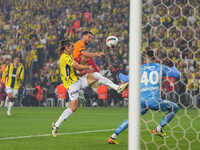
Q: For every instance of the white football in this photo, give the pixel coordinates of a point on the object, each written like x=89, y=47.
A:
x=111, y=41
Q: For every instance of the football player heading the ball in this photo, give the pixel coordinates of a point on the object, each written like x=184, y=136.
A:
x=83, y=56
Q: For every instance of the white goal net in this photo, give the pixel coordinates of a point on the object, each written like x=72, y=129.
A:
x=172, y=29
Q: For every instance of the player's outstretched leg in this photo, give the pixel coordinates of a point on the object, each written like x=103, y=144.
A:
x=73, y=105
x=67, y=112
x=120, y=128
x=172, y=108
x=105, y=81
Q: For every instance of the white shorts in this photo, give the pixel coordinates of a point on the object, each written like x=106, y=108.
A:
x=14, y=92
x=74, y=89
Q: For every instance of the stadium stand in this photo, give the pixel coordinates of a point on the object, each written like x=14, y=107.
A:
x=32, y=32
x=171, y=29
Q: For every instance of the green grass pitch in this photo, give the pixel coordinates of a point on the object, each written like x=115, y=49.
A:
x=89, y=129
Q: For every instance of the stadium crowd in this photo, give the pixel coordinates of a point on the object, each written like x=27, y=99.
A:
x=33, y=30
x=171, y=28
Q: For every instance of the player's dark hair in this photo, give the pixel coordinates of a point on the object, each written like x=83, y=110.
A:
x=168, y=63
x=65, y=43
x=150, y=53
x=86, y=32
x=62, y=46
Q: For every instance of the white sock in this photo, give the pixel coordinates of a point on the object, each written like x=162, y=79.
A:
x=158, y=128
x=105, y=81
x=63, y=116
x=2, y=103
x=10, y=105
x=114, y=136
x=6, y=102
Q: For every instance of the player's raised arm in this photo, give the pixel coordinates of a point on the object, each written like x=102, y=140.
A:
x=91, y=54
x=171, y=72
x=80, y=66
x=123, y=77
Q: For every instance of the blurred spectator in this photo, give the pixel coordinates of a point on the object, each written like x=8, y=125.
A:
x=61, y=94
x=102, y=92
x=90, y=97
x=51, y=92
x=168, y=85
x=38, y=94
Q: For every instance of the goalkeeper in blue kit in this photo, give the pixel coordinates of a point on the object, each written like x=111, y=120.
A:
x=151, y=77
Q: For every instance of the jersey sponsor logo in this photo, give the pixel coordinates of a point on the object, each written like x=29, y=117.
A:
x=74, y=93
x=150, y=89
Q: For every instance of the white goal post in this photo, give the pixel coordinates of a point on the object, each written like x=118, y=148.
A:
x=134, y=74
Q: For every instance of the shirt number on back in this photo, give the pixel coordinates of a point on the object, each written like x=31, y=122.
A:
x=152, y=77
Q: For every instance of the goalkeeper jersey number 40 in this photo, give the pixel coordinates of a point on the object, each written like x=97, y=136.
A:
x=151, y=78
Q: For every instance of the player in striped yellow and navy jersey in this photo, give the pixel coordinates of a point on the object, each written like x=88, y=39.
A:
x=13, y=77
x=70, y=80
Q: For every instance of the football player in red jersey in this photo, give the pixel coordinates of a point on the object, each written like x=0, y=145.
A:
x=83, y=56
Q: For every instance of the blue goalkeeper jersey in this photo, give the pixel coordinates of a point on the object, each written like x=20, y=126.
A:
x=151, y=78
